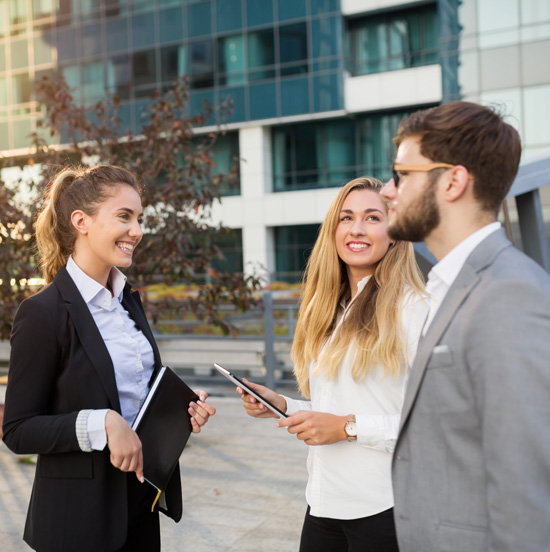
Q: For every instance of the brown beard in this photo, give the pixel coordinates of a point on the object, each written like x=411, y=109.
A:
x=421, y=216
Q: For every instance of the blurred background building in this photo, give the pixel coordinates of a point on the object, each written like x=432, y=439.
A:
x=318, y=88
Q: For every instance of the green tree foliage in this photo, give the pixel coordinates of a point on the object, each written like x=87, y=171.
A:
x=173, y=161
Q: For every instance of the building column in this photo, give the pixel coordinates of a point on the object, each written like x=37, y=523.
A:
x=256, y=181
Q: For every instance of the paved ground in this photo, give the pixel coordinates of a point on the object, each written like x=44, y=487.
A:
x=243, y=488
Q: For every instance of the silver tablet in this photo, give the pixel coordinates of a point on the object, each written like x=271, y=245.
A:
x=237, y=381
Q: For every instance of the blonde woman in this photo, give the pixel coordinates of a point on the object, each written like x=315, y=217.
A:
x=82, y=357
x=360, y=320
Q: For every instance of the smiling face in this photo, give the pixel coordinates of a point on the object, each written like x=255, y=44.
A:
x=109, y=237
x=361, y=238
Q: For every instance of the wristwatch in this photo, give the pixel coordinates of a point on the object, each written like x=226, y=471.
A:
x=351, y=428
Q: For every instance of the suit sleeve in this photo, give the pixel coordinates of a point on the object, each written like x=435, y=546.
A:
x=508, y=354
x=29, y=425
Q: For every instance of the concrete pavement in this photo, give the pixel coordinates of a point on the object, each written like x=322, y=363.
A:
x=243, y=488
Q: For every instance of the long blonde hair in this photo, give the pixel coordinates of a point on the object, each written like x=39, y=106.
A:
x=373, y=321
x=72, y=189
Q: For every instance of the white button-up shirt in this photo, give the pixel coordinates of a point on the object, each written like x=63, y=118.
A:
x=350, y=480
x=130, y=351
x=444, y=273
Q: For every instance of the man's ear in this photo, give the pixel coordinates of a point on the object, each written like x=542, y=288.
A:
x=79, y=220
x=457, y=183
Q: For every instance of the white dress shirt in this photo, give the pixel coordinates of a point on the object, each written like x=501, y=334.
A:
x=444, y=273
x=130, y=351
x=350, y=480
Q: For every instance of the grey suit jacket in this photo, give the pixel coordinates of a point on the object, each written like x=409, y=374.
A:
x=471, y=469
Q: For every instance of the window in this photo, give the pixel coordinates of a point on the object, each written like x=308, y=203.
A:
x=19, y=54
x=18, y=11
x=293, y=48
x=91, y=39
x=172, y=62
x=200, y=65
x=228, y=15
x=225, y=155
x=170, y=24
x=43, y=8
x=144, y=68
x=116, y=32
x=313, y=155
x=93, y=82
x=118, y=77
x=66, y=44
x=143, y=30
x=331, y=153
x=293, y=245
x=231, y=249
x=43, y=48
x=21, y=88
x=231, y=61
x=259, y=12
x=261, y=55
x=3, y=92
x=393, y=41
x=71, y=73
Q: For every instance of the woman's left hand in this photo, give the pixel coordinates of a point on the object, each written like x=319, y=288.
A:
x=315, y=428
x=200, y=411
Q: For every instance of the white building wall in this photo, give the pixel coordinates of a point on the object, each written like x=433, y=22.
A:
x=504, y=60
x=415, y=86
x=355, y=7
x=258, y=210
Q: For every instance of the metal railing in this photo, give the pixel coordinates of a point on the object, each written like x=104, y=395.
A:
x=260, y=349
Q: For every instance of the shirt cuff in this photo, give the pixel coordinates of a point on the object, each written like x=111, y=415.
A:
x=378, y=432
x=96, y=429
x=82, y=431
x=293, y=405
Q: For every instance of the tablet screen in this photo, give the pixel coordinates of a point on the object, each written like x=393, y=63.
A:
x=237, y=381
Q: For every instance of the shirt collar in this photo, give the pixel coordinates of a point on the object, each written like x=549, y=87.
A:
x=447, y=269
x=89, y=288
x=360, y=287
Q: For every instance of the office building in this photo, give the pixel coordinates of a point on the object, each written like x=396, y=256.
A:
x=318, y=87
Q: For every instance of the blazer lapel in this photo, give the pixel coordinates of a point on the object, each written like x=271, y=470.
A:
x=88, y=334
x=454, y=298
x=468, y=277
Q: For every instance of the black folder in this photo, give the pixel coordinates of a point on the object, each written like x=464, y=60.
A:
x=163, y=425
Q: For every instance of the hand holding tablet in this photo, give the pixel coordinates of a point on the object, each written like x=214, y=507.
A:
x=248, y=389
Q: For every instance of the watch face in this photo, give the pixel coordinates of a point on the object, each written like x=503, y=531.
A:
x=351, y=429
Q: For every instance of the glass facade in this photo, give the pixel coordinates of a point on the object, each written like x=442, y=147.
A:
x=262, y=53
x=293, y=245
x=393, y=41
x=231, y=249
x=330, y=153
x=225, y=155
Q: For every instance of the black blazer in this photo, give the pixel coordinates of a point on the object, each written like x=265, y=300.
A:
x=60, y=365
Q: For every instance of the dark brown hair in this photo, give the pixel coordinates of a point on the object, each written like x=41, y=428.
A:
x=72, y=189
x=475, y=136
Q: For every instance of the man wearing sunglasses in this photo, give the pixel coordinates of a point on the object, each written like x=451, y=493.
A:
x=471, y=468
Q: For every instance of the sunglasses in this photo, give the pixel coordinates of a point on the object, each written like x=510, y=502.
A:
x=428, y=167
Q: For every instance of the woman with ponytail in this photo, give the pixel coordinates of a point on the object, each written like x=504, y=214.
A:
x=82, y=357
x=359, y=322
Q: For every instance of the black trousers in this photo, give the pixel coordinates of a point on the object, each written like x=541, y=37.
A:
x=143, y=525
x=369, y=534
